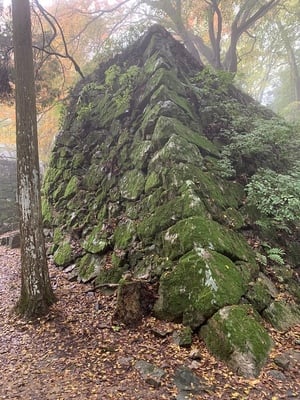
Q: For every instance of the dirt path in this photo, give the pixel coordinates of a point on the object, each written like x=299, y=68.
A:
x=77, y=353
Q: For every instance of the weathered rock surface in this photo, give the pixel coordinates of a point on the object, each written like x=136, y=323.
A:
x=134, y=184
x=282, y=315
x=235, y=335
x=288, y=360
x=188, y=383
x=152, y=374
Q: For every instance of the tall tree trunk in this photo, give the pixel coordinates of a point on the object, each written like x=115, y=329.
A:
x=36, y=292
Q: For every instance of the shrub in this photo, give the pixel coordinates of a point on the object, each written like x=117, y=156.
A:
x=276, y=196
x=255, y=144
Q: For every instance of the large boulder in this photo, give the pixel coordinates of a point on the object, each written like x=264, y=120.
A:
x=235, y=335
x=202, y=282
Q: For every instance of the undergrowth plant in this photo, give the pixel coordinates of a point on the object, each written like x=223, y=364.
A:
x=259, y=143
x=273, y=254
x=276, y=196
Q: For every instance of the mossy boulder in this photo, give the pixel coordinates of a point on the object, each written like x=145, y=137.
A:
x=261, y=292
x=199, y=231
x=96, y=241
x=89, y=267
x=63, y=254
x=124, y=234
x=235, y=335
x=132, y=185
x=202, y=282
x=282, y=315
x=72, y=187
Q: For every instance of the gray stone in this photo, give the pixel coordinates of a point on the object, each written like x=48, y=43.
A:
x=15, y=241
x=183, y=337
x=282, y=315
x=288, y=360
x=152, y=374
x=278, y=375
x=162, y=332
x=187, y=382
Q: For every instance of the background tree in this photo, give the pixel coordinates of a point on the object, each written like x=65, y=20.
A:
x=5, y=46
x=213, y=39
x=36, y=292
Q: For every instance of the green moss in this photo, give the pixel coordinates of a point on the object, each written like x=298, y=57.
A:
x=110, y=275
x=166, y=127
x=294, y=289
x=79, y=201
x=249, y=270
x=192, y=203
x=102, y=214
x=163, y=217
x=72, y=187
x=78, y=160
x=94, y=177
x=58, y=236
x=293, y=252
x=234, y=334
x=201, y=283
x=117, y=259
x=89, y=266
x=132, y=185
x=220, y=194
x=183, y=337
x=171, y=211
x=52, y=175
x=153, y=181
x=139, y=153
x=282, y=315
x=148, y=122
x=63, y=255
x=124, y=235
x=162, y=75
x=232, y=218
x=165, y=94
x=201, y=232
x=176, y=150
x=145, y=205
x=107, y=110
x=96, y=241
x=261, y=293
x=46, y=212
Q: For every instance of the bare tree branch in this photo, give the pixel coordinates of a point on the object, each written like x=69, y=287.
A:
x=53, y=22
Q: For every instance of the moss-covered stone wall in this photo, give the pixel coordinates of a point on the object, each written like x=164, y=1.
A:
x=134, y=185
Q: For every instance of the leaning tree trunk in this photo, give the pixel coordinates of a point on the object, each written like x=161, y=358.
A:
x=36, y=291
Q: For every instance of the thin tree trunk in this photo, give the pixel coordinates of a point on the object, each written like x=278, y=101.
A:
x=36, y=292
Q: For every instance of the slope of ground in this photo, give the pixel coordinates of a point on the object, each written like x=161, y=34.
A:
x=52, y=360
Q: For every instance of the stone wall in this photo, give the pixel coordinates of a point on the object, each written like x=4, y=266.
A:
x=8, y=185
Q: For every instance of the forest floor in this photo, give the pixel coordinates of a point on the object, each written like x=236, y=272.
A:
x=76, y=352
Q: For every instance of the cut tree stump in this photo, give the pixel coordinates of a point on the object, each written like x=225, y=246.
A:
x=135, y=299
